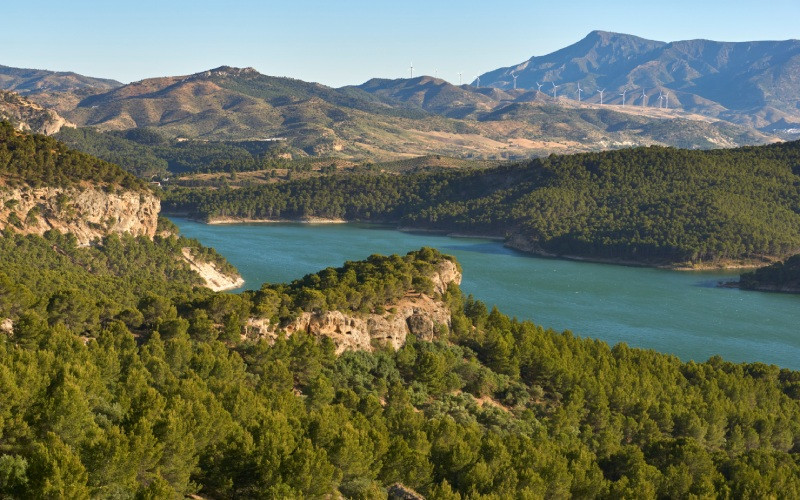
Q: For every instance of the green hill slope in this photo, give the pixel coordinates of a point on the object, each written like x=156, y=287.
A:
x=652, y=205
x=164, y=399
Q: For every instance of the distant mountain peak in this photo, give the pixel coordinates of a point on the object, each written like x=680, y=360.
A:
x=605, y=35
x=739, y=81
x=228, y=71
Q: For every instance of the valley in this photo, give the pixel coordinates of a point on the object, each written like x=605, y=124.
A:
x=550, y=282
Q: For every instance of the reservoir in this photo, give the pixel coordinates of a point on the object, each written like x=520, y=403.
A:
x=681, y=313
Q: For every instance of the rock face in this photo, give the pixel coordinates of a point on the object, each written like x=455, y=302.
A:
x=399, y=491
x=214, y=278
x=88, y=213
x=415, y=314
x=29, y=116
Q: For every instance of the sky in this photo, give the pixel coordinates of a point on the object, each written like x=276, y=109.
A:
x=347, y=42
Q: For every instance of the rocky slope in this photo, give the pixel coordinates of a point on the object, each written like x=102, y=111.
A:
x=415, y=314
x=89, y=213
x=754, y=83
x=28, y=116
x=386, y=119
x=214, y=278
x=45, y=186
x=57, y=90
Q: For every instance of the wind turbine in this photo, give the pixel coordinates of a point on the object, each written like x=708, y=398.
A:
x=539, y=87
x=601, y=95
x=623, y=96
x=579, y=92
x=412, y=69
x=477, y=81
x=555, y=89
x=660, y=99
x=644, y=98
x=666, y=100
x=459, y=78
x=515, y=79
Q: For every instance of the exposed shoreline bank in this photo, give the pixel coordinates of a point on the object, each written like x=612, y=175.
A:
x=243, y=220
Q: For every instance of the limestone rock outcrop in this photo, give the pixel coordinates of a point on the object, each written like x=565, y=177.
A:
x=89, y=213
x=29, y=116
x=214, y=278
x=415, y=314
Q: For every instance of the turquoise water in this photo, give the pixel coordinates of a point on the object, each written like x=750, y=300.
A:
x=674, y=312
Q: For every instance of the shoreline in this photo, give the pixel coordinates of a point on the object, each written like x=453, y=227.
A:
x=243, y=220
x=633, y=263
x=444, y=232
x=523, y=246
x=512, y=243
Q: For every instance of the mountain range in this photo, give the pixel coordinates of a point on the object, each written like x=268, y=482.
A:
x=752, y=83
x=385, y=118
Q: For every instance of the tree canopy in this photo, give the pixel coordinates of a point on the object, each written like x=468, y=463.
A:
x=654, y=205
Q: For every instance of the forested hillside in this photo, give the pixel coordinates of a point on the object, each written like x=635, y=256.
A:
x=146, y=153
x=36, y=160
x=121, y=376
x=778, y=277
x=162, y=398
x=652, y=205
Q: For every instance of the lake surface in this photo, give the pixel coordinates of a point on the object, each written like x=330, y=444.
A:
x=681, y=313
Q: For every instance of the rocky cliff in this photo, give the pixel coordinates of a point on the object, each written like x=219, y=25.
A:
x=29, y=116
x=415, y=314
x=89, y=213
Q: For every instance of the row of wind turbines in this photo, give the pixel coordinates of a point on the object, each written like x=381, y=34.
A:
x=663, y=97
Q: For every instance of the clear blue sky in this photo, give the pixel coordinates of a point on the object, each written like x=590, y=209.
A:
x=349, y=41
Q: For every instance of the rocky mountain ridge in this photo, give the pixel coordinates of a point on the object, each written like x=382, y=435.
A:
x=752, y=83
x=385, y=119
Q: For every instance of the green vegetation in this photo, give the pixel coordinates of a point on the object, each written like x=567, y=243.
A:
x=36, y=160
x=357, y=286
x=654, y=205
x=164, y=399
x=778, y=277
x=146, y=153
x=120, y=377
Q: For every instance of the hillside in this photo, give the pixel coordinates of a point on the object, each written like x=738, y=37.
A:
x=561, y=124
x=386, y=120
x=57, y=90
x=752, y=83
x=29, y=116
x=778, y=277
x=44, y=185
x=118, y=378
x=47, y=188
x=655, y=206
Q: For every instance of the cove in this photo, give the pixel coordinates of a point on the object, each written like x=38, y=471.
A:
x=681, y=313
